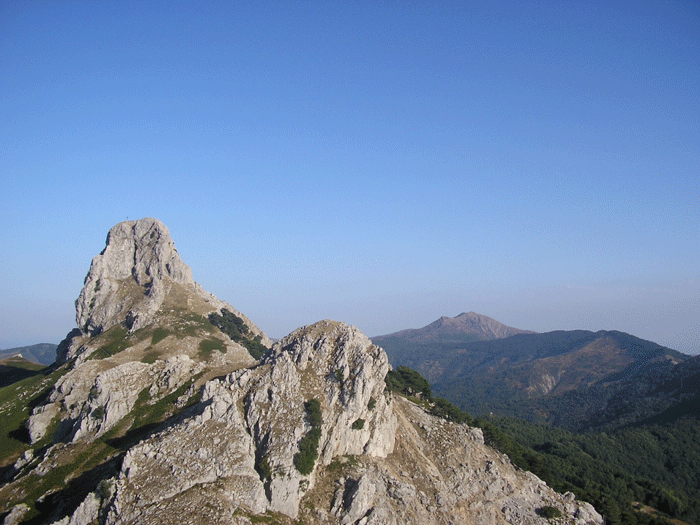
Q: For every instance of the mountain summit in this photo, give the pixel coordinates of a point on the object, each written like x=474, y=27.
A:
x=129, y=279
x=139, y=280
x=465, y=327
x=169, y=406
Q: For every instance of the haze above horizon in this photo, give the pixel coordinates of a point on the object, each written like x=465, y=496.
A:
x=377, y=163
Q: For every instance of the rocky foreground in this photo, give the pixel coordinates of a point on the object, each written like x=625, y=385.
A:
x=156, y=416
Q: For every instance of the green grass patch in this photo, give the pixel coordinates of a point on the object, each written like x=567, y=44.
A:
x=158, y=335
x=112, y=342
x=16, y=369
x=207, y=347
x=150, y=357
x=16, y=404
x=305, y=459
x=358, y=424
x=192, y=325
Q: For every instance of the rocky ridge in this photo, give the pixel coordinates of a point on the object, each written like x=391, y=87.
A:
x=155, y=416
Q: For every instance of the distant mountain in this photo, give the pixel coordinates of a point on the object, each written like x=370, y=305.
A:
x=16, y=368
x=660, y=393
x=465, y=327
x=505, y=375
x=634, y=439
x=43, y=353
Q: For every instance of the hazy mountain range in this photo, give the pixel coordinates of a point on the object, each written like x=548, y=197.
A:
x=485, y=366
x=42, y=353
x=613, y=417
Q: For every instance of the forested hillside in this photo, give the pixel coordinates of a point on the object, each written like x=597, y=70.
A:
x=42, y=353
x=657, y=465
x=641, y=473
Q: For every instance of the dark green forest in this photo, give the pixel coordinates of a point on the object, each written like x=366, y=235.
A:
x=410, y=383
x=234, y=327
x=658, y=466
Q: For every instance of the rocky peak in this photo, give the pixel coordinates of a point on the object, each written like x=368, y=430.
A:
x=485, y=327
x=128, y=280
x=179, y=422
x=332, y=363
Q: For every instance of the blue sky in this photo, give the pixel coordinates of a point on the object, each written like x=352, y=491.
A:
x=379, y=163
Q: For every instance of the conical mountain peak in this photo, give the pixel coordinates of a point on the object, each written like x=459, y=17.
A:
x=128, y=280
x=465, y=327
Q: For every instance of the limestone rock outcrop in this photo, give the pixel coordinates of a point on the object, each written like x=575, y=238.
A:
x=233, y=454
x=257, y=416
x=136, y=288
x=128, y=280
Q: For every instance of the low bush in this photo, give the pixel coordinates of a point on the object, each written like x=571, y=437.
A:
x=234, y=327
x=305, y=459
x=358, y=424
x=408, y=382
x=549, y=512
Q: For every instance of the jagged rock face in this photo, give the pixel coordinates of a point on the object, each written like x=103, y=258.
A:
x=443, y=473
x=128, y=280
x=94, y=400
x=403, y=466
x=259, y=413
x=137, y=281
x=336, y=364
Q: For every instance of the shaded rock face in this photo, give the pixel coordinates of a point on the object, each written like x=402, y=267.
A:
x=128, y=280
x=443, y=473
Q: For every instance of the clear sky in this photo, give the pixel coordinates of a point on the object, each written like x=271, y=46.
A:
x=379, y=163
